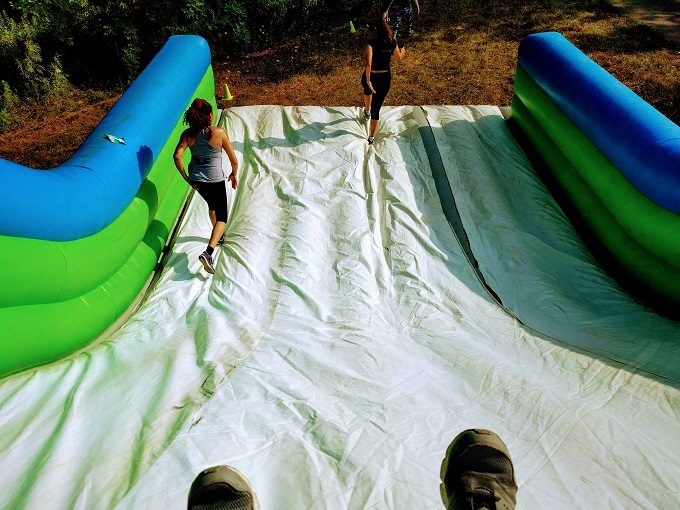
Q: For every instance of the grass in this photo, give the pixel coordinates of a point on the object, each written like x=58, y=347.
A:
x=45, y=133
x=462, y=53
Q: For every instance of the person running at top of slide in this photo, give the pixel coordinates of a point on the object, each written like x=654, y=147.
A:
x=377, y=77
x=400, y=13
x=205, y=143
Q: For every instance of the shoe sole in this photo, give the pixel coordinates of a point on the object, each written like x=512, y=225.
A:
x=206, y=264
x=470, y=436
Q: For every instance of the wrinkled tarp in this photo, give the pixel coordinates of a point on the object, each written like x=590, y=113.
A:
x=345, y=340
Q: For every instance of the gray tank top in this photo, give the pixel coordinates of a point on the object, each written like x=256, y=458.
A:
x=206, y=161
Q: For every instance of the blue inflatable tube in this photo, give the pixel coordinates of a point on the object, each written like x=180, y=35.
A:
x=91, y=189
x=634, y=136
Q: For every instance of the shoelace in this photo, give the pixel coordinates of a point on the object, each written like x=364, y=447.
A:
x=481, y=498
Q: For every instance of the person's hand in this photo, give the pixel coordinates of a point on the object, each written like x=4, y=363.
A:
x=233, y=180
x=370, y=86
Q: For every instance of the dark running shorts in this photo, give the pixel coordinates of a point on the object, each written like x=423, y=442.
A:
x=215, y=193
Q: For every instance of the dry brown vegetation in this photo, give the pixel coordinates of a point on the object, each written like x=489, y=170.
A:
x=459, y=55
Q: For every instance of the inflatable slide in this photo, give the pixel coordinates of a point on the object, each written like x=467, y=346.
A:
x=368, y=303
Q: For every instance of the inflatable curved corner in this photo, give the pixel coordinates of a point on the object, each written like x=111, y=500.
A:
x=80, y=246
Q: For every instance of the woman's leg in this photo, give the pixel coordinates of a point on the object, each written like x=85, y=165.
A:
x=367, y=103
x=219, y=212
x=217, y=233
x=368, y=94
x=374, y=127
x=381, y=83
x=215, y=194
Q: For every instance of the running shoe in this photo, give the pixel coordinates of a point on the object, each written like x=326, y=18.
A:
x=477, y=473
x=221, y=488
x=207, y=261
x=367, y=115
x=221, y=241
x=371, y=140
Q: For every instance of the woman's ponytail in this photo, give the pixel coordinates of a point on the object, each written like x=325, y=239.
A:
x=384, y=30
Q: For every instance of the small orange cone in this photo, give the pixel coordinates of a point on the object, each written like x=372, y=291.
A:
x=227, y=94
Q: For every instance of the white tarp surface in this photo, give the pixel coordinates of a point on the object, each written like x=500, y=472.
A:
x=344, y=341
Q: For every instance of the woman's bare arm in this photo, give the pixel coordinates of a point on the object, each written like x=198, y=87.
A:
x=226, y=145
x=368, y=59
x=179, y=152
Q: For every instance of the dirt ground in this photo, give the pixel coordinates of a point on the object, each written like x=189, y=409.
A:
x=664, y=15
x=454, y=58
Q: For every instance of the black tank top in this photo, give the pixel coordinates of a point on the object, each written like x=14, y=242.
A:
x=382, y=53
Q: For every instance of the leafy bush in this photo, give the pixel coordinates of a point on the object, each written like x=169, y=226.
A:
x=107, y=43
x=20, y=57
x=26, y=73
x=7, y=100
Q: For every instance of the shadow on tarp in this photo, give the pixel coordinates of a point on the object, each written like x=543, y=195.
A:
x=664, y=371
x=448, y=207
x=179, y=263
x=309, y=133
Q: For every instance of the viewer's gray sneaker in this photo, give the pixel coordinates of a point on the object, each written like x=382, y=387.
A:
x=221, y=488
x=477, y=473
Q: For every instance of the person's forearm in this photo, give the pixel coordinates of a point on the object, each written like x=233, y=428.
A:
x=180, y=169
x=233, y=176
x=232, y=158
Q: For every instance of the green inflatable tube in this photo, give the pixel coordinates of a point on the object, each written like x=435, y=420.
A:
x=52, y=271
x=643, y=265
x=649, y=224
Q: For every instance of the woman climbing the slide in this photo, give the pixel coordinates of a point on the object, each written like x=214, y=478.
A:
x=205, y=142
x=377, y=76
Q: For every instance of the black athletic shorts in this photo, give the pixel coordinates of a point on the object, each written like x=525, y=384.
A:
x=215, y=193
